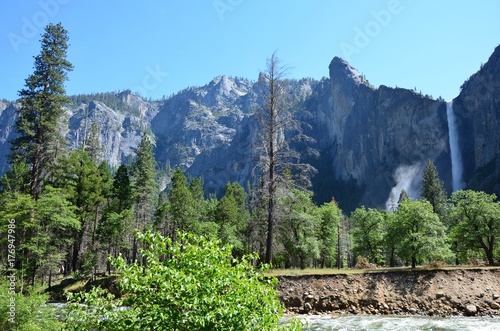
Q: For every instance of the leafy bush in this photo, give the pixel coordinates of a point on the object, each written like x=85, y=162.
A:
x=191, y=284
x=31, y=313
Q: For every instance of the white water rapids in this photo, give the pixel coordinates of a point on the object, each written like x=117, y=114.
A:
x=409, y=323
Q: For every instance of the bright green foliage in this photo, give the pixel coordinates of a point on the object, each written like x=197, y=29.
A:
x=232, y=215
x=187, y=285
x=56, y=221
x=31, y=313
x=326, y=232
x=367, y=233
x=41, y=108
x=432, y=188
x=477, y=219
x=421, y=233
x=296, y=231
x=42, y=229
x=17, y=207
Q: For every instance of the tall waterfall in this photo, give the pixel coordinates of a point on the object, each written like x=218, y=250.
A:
x=456, y=156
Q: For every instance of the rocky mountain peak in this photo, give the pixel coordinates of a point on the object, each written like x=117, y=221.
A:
x=223, y=90
x=341, y=70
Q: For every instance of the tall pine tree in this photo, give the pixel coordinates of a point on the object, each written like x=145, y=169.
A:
x=432, y=188
x=144, y=187
x=39, y=141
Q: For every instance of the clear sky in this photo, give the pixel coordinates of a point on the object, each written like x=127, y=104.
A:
x=158, y=47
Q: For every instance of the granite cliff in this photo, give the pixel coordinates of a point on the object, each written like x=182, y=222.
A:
x=372, y=141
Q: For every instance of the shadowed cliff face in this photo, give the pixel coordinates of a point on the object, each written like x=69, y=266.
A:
x=373, y=142
x=7, y=132
x=375, y=132
x=477, y=109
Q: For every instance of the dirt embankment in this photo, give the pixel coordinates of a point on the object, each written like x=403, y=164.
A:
x=431, y=292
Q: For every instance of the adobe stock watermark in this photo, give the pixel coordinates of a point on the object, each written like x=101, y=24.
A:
x=32, y=26
x=364, y=35
x=224, y=6
x=11, y=263
x=151, y=81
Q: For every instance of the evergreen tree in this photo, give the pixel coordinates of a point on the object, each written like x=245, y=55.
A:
x=122, y=189
x=43, y=229
x=39, y=141
x=114, y=231
x=88, y=187
x=432, y=188
x=181, y=205
x=231, y=216
x=92, y=144
x=403, y=196
x=145, y=188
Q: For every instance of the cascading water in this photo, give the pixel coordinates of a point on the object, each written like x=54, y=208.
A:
x=456, y=156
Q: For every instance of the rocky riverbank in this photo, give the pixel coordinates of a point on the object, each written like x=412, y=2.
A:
x=470, y=292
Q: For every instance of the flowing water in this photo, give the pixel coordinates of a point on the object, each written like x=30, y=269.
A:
x=372, y=323
x=456, y=156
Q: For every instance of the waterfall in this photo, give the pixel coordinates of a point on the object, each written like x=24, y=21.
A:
x=456, y=156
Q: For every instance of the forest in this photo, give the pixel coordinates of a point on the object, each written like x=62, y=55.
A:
x=67, y=212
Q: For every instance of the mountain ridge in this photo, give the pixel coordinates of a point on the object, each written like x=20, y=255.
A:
x=372, y=141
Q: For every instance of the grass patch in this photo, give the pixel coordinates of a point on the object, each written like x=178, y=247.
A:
x=322, y=272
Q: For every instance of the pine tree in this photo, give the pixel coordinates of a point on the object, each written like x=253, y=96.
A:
x=88, y=186
x=231, y=214
x=144, y=187
x=42, y=100
x=181, y=205
x=122, y=189
x=432, y=188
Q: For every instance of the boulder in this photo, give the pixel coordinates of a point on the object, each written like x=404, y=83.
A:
x=470, y=310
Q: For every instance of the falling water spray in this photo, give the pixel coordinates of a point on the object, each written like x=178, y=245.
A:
x=456, y=156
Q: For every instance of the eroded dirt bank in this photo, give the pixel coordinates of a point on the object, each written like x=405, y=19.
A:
x=431, y=292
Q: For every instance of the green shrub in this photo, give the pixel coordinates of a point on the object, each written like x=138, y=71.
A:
x=29, y=312
x=191, y=284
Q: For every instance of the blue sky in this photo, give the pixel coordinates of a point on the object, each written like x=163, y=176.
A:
x=158, y=47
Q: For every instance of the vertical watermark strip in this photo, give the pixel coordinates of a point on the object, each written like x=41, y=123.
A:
x=11, y=271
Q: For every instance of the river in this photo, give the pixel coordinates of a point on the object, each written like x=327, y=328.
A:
x=372, y=323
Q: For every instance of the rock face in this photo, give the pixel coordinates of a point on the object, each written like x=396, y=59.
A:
x=375, y=132
x=7, y=131
x=466, y=292
x=373, y=142
x=478, y=116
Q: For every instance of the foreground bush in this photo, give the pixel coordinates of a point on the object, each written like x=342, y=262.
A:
x=25, y=312
x=191, y=284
